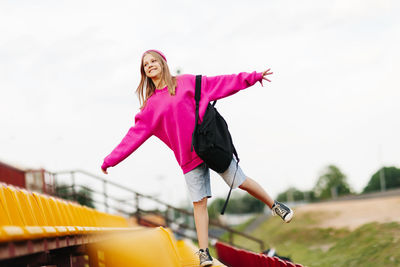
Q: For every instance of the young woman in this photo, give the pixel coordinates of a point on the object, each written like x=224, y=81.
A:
x=168, y=112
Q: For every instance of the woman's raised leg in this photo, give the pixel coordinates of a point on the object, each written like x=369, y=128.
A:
x=254, y=189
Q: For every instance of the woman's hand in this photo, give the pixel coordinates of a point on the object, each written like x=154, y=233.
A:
x=104, y=171
x=265, y=73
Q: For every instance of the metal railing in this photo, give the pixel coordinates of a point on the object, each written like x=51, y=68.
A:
x=131, y=204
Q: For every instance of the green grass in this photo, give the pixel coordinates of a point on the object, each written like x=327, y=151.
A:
x=372, y=244
x=240, y=227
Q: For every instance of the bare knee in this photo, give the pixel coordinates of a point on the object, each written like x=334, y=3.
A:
x=201, y=203
x=245, y=183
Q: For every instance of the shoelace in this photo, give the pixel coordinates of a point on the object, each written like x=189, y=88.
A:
x=203, y=255
x=278, y=210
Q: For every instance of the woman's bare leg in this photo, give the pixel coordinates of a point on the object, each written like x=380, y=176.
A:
x=201, y=221
x=254, y=189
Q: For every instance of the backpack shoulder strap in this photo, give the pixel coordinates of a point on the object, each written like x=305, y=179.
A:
x=197, y=95
x=230, y=190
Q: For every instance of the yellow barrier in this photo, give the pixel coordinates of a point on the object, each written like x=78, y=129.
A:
x=25, y=215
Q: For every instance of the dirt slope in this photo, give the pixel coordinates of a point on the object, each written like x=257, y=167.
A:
x=353, y=213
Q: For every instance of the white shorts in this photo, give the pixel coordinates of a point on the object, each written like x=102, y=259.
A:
x=198, y=180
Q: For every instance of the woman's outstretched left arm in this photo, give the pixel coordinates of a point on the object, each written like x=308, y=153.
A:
x=221, y=86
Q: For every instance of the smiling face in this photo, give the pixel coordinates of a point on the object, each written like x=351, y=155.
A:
x=152, y=66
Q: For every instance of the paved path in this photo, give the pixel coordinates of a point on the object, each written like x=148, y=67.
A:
x=259, y=220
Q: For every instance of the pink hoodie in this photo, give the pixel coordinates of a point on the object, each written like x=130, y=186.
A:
x=171, y=118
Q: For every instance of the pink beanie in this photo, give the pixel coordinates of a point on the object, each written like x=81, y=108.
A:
x=153, y=50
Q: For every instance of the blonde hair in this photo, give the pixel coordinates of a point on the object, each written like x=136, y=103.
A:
x=146, y=86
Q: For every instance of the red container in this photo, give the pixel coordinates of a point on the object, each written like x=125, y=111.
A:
x=12, y=175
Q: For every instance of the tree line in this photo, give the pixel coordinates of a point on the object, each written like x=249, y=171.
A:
x=333, y=183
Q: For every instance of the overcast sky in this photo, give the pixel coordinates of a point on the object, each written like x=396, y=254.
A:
x=69, y=71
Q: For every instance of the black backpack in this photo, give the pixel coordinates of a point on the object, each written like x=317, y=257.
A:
x=211, y=139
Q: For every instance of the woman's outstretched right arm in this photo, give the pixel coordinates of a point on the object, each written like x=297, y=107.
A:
x=135, y=137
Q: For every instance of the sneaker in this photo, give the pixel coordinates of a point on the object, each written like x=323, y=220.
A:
x=283, y=211
x=205, y=257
